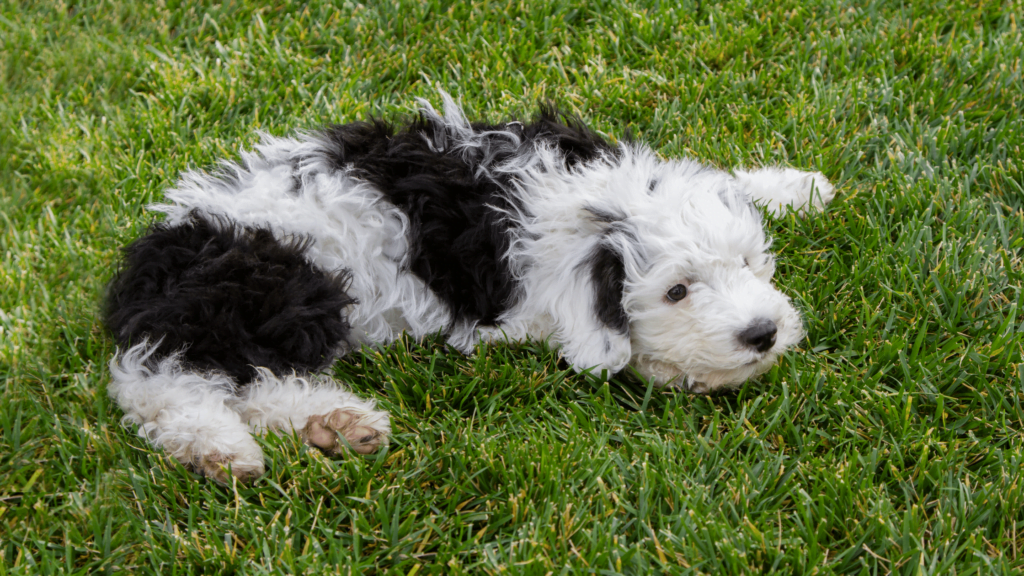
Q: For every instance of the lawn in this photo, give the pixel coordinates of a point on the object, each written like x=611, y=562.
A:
x=890, y=441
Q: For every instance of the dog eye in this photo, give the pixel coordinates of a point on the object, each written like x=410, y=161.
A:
x=746, y=263
x=676, y=293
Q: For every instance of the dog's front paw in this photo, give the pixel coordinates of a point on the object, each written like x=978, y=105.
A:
x=601, y=350
x=364, y=431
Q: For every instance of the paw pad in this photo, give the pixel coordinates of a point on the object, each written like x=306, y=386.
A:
x=322, y=432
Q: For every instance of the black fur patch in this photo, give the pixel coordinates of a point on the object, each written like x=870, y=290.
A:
x=232, y=297
x=459, y=232
x=608, y=275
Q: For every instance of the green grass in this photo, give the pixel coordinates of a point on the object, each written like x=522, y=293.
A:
x=891, y=441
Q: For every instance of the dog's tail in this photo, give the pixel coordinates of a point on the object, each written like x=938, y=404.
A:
x=227, y=299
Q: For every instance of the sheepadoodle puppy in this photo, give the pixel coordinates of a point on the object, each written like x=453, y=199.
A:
x=265, y=270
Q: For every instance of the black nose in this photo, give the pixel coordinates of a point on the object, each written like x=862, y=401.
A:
x=760, y=335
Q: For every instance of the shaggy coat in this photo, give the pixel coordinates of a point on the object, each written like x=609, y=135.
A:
x=267, y=269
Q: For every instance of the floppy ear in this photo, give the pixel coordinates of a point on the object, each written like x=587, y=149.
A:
x=593, y=325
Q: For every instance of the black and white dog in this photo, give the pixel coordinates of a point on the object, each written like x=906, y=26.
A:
x=266, y=270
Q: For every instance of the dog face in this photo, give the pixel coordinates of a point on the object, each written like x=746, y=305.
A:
x=703, y=313
x=662, y=265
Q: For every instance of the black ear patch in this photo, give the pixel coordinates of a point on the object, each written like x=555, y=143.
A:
x=608, y=275
x=607, y=269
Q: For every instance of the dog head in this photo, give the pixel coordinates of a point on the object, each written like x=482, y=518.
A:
x=695, y=294
x=703, y=311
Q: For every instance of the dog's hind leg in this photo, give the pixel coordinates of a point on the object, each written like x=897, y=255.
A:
x=222, y=304
x=323, y=413
x=189, y=414
x=786, y=189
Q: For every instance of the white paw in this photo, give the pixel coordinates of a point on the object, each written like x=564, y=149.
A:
x=214, y=443
x=602, y=350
